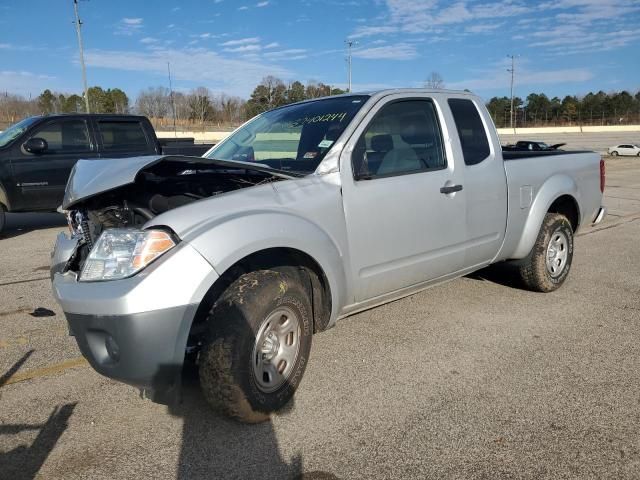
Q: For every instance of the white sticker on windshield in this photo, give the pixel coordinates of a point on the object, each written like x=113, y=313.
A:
x=325, y=143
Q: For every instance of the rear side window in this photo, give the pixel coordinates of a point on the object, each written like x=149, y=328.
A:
x=121, y=136
x=473, y=137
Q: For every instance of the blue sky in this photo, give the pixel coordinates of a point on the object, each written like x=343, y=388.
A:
x=564, y=46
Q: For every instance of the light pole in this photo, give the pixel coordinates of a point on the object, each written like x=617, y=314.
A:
x=513, y=71
x=84, y=71
x=350, y=44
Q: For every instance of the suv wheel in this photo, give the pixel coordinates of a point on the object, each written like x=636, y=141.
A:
x=258, y=345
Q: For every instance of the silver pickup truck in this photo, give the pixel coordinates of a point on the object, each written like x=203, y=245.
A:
x=304, y=215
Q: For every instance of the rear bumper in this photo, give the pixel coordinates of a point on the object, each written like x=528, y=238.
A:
x=602, y=212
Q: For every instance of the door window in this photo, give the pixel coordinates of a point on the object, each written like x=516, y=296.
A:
x=67, y=136
x=404, y=137
x=122, y=136
x=473, y=137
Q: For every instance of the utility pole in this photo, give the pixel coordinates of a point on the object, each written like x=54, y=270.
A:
x=512, y=70
x=173, y=103
x=84, y=71
x=350, y=44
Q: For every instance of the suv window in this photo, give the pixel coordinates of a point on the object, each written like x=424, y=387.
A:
x=66, y=136
x=473, y=137
x=404, y=137
x=122, y=135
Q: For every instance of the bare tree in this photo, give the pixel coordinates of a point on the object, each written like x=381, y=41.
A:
x=199, y=101
x=154, y=102
x=434, y=80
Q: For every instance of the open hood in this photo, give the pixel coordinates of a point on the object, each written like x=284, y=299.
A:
x=91, y=177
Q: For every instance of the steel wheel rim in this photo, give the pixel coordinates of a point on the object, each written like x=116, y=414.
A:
x=276, y=349
x=557, y=253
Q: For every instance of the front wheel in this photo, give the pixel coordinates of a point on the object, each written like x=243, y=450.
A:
x=547, y=266
x=3, y=218
x=614, y=154
x=258, y=345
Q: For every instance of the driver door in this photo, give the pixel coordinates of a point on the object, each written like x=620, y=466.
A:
x=42, y=177
x=403, y=200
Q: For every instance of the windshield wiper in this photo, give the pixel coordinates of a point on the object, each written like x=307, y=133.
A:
x=260, y=168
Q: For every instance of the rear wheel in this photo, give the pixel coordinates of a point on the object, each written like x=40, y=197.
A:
x=547, y=266
x=258, y=345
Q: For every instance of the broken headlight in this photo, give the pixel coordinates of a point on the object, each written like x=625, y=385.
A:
x=121, y=253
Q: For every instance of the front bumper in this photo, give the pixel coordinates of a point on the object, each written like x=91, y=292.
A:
x=140, y=349
x=135, y=330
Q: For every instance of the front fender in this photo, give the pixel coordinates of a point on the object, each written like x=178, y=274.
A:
x=553, y=188
x=233, y=238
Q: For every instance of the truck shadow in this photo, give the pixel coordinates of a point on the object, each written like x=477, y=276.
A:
x=25, y=461
x=20, y=223
x=505, y=274
x=214, y=446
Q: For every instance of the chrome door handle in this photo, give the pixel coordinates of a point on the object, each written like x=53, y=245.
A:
x=450, y=189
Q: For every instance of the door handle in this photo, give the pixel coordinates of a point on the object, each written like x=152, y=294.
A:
x=450, y=189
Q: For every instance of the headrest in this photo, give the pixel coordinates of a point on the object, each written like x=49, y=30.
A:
x=382, y=143
x=415, y=130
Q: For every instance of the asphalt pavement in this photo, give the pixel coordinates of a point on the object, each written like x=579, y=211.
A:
x=476, y=378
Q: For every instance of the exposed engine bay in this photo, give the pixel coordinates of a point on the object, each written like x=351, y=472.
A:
x=170, y=183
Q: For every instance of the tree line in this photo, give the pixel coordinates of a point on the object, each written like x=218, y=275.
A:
x=614, y=108
x=200, y=107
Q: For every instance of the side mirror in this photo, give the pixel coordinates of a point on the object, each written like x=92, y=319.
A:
x=36, y=145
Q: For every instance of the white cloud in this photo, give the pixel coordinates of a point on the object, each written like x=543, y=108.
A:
x=499, y=78
x=272, y=45
x=400, y=51
x=483, y=27
x=193, y=65
x=243, y=8
x=241, y=41
x=148, y=40
x=289, y=54
x=244, y=48
x=129, y=26
x=369, y=31
x=27, y=83
x=262, y=4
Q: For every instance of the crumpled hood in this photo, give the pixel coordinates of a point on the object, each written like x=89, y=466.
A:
x=90, y=177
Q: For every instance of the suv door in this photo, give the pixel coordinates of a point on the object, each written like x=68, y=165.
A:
x=403, y=200
x=42, y=177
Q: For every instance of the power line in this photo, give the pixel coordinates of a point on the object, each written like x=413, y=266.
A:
x=350, y=44
x=173, y=102
x=84, y=71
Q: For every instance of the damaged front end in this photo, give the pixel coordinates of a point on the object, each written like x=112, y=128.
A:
x=127, y=193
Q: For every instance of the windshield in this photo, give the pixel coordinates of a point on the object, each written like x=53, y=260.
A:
x=294, y=138
x=15, y=131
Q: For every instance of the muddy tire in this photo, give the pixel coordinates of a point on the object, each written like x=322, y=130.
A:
x=547, y=266
x=257, y=345
x=3, y=218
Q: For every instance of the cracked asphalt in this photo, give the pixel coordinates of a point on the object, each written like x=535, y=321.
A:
x=476, y=378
